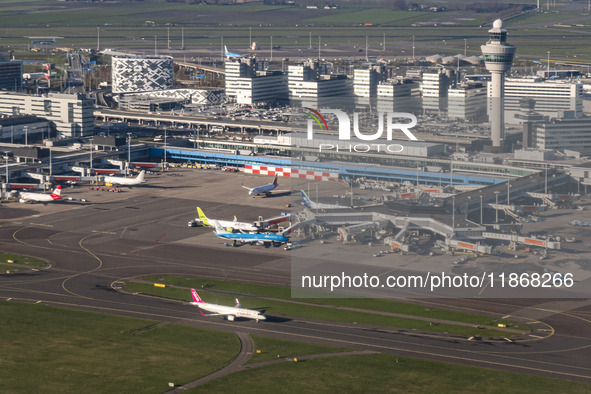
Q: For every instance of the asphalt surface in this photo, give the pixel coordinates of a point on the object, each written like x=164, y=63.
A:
x=92, y=248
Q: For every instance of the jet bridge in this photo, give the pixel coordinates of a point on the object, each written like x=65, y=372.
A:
x=349, y=233
x=469, y=246
x=397, y=241
x=545, y=197
x=530, y=241
x=262, y=223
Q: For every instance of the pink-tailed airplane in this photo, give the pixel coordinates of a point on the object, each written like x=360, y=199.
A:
x=229, y=312
x=56, y=195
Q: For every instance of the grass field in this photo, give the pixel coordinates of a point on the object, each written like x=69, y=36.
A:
x=53, y=350
x=20, y=259
x=272, y=349
x=374, y=16
x=332, y=312
x=124, y=26
x=381, y=373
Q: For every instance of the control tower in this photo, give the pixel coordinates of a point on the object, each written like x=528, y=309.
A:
x=498, y=57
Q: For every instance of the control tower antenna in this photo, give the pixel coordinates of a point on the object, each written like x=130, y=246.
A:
x=498, y=58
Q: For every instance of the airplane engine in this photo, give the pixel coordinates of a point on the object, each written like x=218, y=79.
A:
x=230, y=317
x=22, y=200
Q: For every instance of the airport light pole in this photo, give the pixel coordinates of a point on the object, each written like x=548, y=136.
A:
x=453, y=212
x=50, y=163
x=128, y=153
x=480, y=208
x=316, y=197
x=90, y=154
x=497, y=208
x=546, y=178
x=508, y=192
x=451, y=173
x=26, y=135
x=163, y=168
x=6, y=158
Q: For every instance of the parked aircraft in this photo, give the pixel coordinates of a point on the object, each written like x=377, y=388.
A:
x=317, y=205
x=39, y=197
x=256, y=238
x=227, y=224
x=579, y=223
x=118, y=180
x=264, y=189
x=230, y=313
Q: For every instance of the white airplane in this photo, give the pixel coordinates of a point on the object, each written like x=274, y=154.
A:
x=317, y=205
x=230, y=54
x=118, y=180
x=38, y=197
x=235, y=224
x=229, y=312
x=265, y=189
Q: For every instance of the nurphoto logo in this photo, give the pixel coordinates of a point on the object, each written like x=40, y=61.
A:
x=392, y=121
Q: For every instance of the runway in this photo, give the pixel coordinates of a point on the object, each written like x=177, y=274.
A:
x=93, y=248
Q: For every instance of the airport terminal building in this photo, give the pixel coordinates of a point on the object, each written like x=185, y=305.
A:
x=132, y=74
x=72, y=114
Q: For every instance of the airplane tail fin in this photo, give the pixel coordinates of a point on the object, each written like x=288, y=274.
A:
x=238, y=304
x=141, y=176
x=275, y=181
x=57, y=193
x=226, y=49
x=196, y=297
x=202, y=217
x=306, y=199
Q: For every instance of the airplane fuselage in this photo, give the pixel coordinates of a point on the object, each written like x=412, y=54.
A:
x=254, y=237
x=266, y=189
x=237, y=225
x=230, y=311
x=117, y=180
x=39, y=197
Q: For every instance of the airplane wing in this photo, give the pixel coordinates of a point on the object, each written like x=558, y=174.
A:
x=247, y=188
x=218, y=228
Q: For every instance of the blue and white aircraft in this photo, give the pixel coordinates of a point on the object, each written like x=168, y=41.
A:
x=252, y=238
x=318, y=205
x=230, y=54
